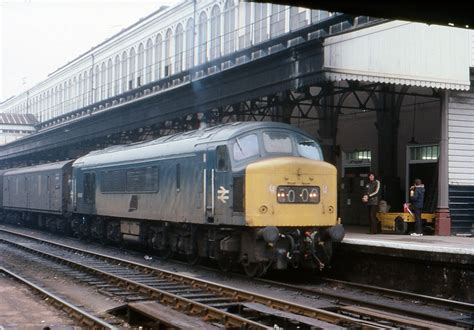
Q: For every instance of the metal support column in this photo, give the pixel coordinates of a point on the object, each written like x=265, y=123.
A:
x=443, y=219
x=387, y=130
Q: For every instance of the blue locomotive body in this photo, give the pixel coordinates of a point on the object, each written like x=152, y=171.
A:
x=214, y=193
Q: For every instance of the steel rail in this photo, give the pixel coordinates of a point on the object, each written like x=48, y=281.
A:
x=183, y=304
x=450, y=304
x=80, y=316
x=192, y=307
x=453, y=304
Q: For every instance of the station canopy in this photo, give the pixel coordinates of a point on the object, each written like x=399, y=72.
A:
x=399, y=52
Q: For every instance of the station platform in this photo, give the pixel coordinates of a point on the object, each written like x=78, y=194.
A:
x=433, y=265
x=357, y=235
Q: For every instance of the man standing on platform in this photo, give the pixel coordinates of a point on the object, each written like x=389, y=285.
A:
x=417, y=196
x=372, y=199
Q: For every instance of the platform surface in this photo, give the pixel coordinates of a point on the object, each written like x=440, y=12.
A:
x=429, y=243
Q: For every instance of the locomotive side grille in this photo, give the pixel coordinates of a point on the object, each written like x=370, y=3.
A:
x=238, y=200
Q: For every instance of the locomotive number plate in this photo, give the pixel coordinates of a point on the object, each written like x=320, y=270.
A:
x=298, y=194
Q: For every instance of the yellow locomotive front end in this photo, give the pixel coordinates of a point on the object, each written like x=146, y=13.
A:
x=290, y=214
x=290, y=192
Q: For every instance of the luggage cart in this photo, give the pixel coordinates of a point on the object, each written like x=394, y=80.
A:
x=398, y=223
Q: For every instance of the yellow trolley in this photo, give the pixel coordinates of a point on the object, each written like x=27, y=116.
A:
x=398, y=222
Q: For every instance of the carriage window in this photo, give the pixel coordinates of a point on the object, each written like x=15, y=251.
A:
x=143, y=179
x=246, y=147
x=89, y=187
x=112, y=181
x=222, y=158
x=308, y=148
x=277, y=142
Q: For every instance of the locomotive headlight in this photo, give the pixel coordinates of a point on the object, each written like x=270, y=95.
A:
x=298, y=194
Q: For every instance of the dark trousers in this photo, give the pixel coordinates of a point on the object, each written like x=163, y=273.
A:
x=418, y=222
x=373, y=219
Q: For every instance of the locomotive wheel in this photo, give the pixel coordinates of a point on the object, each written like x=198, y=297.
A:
x=254, y=269
x=225, y=264
x=193, y=258
x=165, y=253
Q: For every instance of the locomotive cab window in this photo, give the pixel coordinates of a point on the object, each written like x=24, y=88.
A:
x=89, y=187
x=308, y=148
x=277, y=142
x=245, y=147
x=222, y=159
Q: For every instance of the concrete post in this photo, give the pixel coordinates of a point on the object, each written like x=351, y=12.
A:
x=443, y=220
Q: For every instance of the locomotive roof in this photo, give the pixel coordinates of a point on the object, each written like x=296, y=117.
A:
x=185, y=143
x=38, y=168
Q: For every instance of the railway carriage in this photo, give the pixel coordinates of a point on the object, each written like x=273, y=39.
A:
x=38, y=195
x=255, y=194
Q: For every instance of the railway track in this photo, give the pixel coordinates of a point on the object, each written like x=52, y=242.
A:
x=80, y=316
x=220, y=304
x=360, y=297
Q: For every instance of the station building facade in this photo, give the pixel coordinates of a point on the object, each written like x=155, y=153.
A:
x=421, y=73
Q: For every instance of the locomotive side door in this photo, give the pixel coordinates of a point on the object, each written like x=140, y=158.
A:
x=218, y=184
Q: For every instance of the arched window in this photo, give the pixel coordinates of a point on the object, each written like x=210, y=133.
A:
x=189, y=43
x=246, y=39
x=108, y=85
x=202, y=41
x=103, y=82
x=87, y=88
x=65, y=104
x=117, y=75
x=158, y=56
x=46, y=110
x=293, y=18
x=148, y=61
x=215, y=32
x=141, y=64
x=229, y=27
x=96, y=84
x=168, y=55
x=60, y=100
x=74, y=94
x=79, y=96
x=123, y=78
x=277, y=20
x=90, y=96
x=178, y=49
x=65, y=97
x=260, y=22
x=131, y=69
x=50, y=103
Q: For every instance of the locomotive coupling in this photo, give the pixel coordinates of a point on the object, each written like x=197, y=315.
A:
x=336, y=233
x=269, y=234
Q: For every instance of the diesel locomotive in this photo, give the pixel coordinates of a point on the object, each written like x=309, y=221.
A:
x=254, y=194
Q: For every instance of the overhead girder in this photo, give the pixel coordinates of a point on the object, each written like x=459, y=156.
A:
x=305, y=103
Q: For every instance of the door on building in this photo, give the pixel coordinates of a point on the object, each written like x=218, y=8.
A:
x=422, y=163
x=355, y=169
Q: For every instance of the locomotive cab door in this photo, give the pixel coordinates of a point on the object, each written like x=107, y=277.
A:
x=218, y=184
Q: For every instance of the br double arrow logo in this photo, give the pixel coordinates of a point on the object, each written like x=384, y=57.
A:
x=223, y=194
